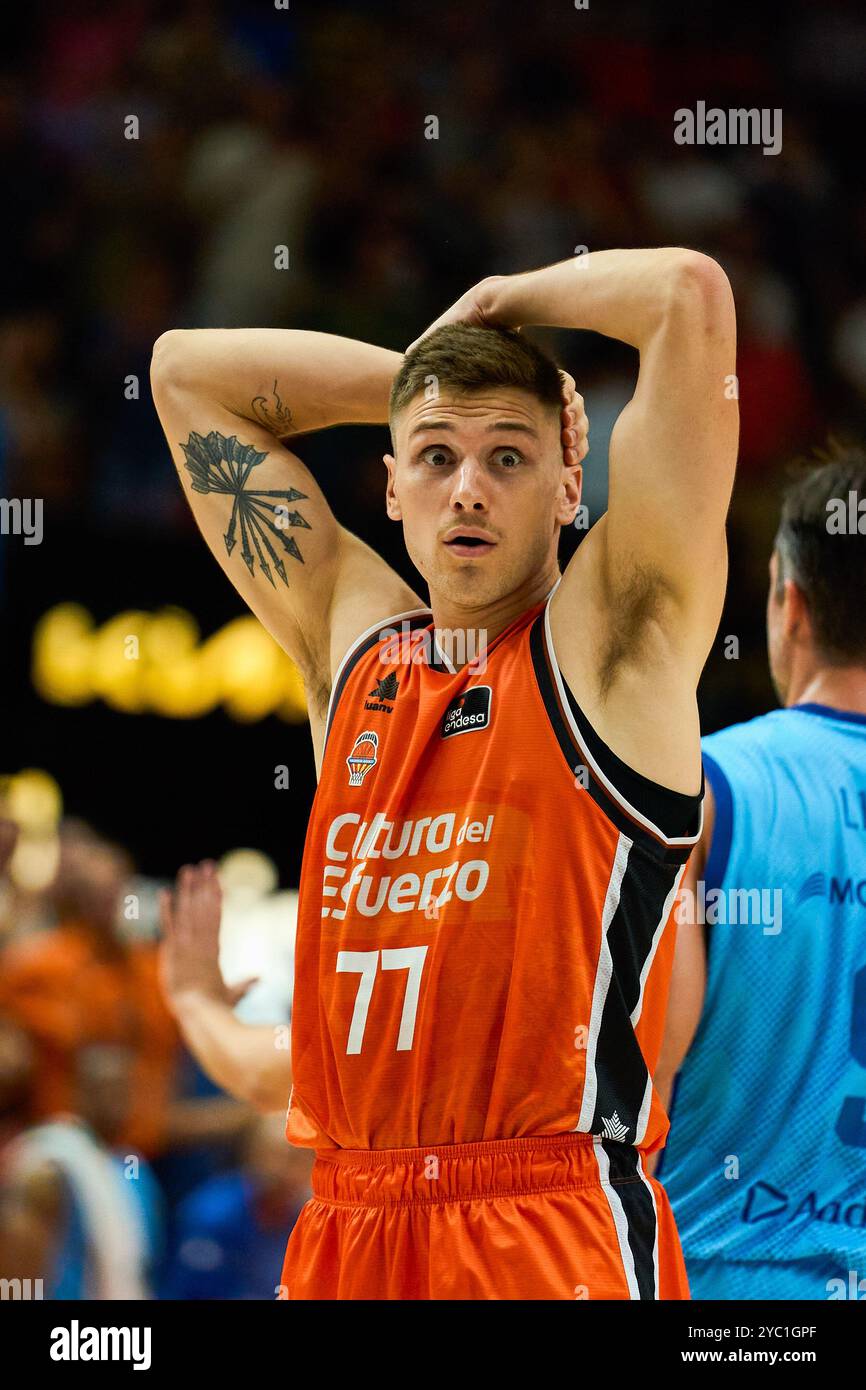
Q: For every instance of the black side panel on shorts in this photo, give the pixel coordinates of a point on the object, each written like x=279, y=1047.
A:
x=639, y=1208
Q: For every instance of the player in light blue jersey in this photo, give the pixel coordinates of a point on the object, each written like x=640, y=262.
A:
x=765, y=1050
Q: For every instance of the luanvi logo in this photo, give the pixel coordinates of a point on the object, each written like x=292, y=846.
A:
x=470, y=711
x=385, y=690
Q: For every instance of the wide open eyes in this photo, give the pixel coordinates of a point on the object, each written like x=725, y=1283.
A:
x=439, y=456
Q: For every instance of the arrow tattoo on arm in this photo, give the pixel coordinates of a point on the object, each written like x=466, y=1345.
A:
x=218, y=463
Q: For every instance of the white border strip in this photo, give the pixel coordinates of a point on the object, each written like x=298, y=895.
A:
x=603, y=976
x=446, y=661
x=646, y=1182
x=644, y=1112
x=620, y=1220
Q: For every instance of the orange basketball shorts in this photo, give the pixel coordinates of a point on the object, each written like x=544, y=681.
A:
x=550, y=1217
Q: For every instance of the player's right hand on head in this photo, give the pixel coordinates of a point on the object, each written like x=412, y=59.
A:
x=190, y=917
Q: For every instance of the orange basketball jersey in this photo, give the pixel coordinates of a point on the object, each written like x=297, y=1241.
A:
x=482, y=948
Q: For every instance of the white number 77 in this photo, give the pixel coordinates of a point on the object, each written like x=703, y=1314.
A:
x=365, y=963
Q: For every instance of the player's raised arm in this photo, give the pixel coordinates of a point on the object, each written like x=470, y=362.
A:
x=673, y=449
x=228, y=400
x=244, y=1059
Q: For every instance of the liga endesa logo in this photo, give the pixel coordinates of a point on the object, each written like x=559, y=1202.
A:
x=470, y=711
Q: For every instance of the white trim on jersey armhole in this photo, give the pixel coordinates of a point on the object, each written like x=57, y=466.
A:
x=606, y=783
x=350, y=651
x=446, y=660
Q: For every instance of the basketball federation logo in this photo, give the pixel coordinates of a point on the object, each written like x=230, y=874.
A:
x=362, y=757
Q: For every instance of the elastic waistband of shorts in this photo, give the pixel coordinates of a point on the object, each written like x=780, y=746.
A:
x=458, y=1172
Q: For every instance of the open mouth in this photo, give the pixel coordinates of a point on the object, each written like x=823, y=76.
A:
x=469, y=545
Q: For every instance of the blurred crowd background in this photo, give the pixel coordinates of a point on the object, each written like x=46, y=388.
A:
x=307, y=127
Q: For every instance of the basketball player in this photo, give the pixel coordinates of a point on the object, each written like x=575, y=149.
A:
x=509, y=775
x=766, y=1160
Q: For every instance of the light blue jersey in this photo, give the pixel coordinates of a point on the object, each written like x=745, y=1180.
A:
x=766, y=1160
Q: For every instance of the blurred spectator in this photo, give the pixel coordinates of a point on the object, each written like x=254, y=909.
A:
x=8, y=838
x=231, y=1232
x=17, y=1065
x=76, y=1212
x=81, y=982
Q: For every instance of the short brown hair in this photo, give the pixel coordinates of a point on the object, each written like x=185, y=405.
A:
x=464, y=358
x=829, y=566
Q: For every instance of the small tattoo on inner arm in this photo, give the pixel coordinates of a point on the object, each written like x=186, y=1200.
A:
x=275, y=416
x=220, y=464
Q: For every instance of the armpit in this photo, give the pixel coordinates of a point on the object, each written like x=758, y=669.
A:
x=637, y=603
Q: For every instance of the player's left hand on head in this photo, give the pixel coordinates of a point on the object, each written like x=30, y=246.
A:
x=191, y=926
x=476, y=306
x=574, y=423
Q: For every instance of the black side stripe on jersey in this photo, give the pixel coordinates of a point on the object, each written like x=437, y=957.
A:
x=632, y=1203
x=618, y=1090
x=415, y=617
x=605, y=773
